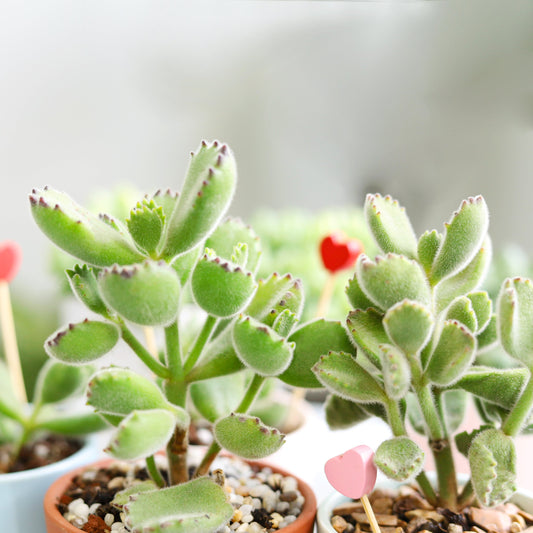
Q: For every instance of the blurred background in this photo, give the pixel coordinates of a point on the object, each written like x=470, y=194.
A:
x=321, y=102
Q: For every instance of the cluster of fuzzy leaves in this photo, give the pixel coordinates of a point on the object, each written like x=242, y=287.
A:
x=56, y=384
x=418, y=321
x=140, y=271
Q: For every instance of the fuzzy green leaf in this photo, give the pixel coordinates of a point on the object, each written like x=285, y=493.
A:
x=488, y=338
x=515, y=319
x=167, y=200
x=499, y=386
x=9, y=404
x=453, y=354
x=119, y=391
x=205, y=197
x=285, y=322
x=492, y=458
x=57, y=382
x=356, y=296
x=312, y=340
x=340, y=373
x=221, y=288
x=218, y=397
x=455, y=403
x=123, y=497
x=145, y=225
x=343, y=414
x=80, y=424
x=145, y=294
x=391, y=279
x=261, y=348
x=83, y=284
x=482, y=306
x=464, y=439
x=81, y=343
x=184, y=264
x=247, y=436
x=390, y=225
x=141, y=434
x=79, y=232
x=273, y=296
x=399, y=458
x=414, y=413
x=409, y=325
x=466, y=280
x=462, y=240
x=462, y=310
x=203, y=508
x=396, y=372
x=368, y=333
x=231, y=232
x=428, y=245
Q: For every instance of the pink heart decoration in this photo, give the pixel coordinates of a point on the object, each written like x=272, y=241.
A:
x=353, y=473
x=10, y=258
x=339, y=252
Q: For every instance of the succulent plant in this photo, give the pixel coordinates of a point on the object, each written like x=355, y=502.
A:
x=139, y=272
x=419, y=321
x=56, y=385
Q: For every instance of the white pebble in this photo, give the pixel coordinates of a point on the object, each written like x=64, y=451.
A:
x=247, y=518
x=282, y=507
x=118, y=527
x=289, y=519
x=109, y=519
x=289, y=484
x=254, y=527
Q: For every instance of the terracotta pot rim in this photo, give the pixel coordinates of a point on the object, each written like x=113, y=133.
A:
x=303, y=524
x=24, y=475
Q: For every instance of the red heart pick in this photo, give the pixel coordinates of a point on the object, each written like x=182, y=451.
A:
x=10, y=258
x=353, y=473
x=338, y=252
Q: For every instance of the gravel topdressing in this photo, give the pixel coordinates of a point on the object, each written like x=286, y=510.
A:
x=263, y=501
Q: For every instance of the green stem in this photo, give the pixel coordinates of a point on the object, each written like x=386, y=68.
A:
x=520, y=412
x=142, y=353
x=395, y=419
x=173, y=351
x=397, y=425
x=253, y=389
x=467, y=495
x=201, y=340
x=439, y=441
x=154, y=472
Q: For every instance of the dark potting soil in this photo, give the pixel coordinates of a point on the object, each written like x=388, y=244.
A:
x=406, y=511
x=40, y=452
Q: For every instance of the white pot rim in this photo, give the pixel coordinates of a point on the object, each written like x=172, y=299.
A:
x=90, y=441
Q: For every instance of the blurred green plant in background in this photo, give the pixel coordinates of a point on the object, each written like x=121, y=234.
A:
x=290, y=240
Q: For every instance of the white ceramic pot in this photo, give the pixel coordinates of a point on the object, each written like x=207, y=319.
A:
x=22, y=493
x=524, y=499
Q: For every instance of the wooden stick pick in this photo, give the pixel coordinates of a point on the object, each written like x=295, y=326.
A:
x=10, y=258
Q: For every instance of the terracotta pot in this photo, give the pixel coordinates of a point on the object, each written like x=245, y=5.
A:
x=21, y=493
x=55, y=523
x=522, y=498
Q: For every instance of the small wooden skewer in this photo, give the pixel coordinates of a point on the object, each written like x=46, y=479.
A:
x=325, y=296
x=151, y=343
x=10, y=342
x=370, y=514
